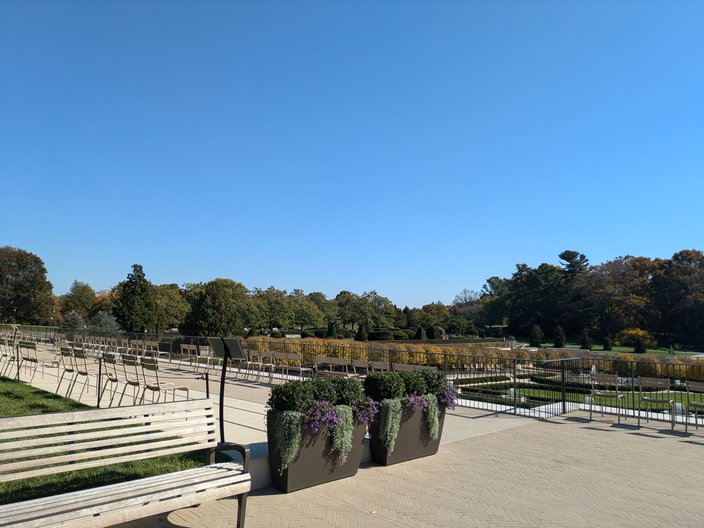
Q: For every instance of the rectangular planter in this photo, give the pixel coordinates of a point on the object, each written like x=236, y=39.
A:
x=413, y=439
x=316, y=463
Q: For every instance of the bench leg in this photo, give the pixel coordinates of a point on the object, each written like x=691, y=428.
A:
x=241, y=510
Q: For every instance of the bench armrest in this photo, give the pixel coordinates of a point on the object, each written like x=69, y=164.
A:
x=244, y=451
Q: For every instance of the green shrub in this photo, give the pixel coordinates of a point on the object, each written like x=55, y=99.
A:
x=400, y=335
x=559, y=337
x=410, y=333
x=607, y=343
x=384, y=385
x=332, y=331
x=432, y=416
x=414, y=383
x=435, y=380
x=639, y=345
x=251, y=332
x=307, y=333
x=291, y=396
x=381, y=335
x=347, y=391
x=420, y=334
x=276, y=334
x=320, y=333
x=323, y=389
x=361, y=334
x=435, y=332
x=585, y=341
x=536, y=336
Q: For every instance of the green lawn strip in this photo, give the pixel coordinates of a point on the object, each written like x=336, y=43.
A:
x=629, y=350
x=17, y=399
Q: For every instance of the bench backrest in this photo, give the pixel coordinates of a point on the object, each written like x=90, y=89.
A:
x=45, y=444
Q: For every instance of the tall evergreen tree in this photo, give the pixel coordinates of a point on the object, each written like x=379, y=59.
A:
x=135, y=306
x=559, y=337
x=536, y=336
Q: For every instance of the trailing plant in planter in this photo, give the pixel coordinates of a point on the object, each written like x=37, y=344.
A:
x=316, y=426
x=406, y=396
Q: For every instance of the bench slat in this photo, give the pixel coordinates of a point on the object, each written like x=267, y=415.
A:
x=184, y=435
x=109, y=423
x=38, y=420
x=95, y=463
x=105, y=433
x=180, y=495
x=146, y=484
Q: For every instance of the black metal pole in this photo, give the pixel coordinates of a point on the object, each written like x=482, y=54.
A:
x=100, y=379
x=222, y=391
x=564, y=388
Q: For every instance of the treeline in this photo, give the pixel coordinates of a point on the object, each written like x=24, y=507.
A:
x=659, y=299
x=218, y=307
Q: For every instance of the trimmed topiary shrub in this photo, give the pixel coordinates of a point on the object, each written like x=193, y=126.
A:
x=307, y=333
x=276, y=334
x=321, y=333
x=400, y=335
x=361, y=334
x=332, y=331
x=639, y=345
x=420, y=333
x=410, y=333
x=381, y=335
x=607, y=343
x=585, y=341
x=559, y=337
x=536, y=336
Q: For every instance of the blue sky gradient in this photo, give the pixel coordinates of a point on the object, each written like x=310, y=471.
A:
x=411, y=147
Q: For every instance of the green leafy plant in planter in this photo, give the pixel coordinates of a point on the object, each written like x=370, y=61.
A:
x=412, y=406
x=316, y=429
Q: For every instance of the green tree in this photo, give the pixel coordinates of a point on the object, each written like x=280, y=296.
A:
x=639, y=345
x=221, y=307
x=74, y=321
x=585, y=340
x=347, y=303
x=135, y=304
x=25, y=292
x=105, y=322
x=362, y=333
x=536, y=336
x=559, y=337
x=80, y=298
x=305, y=311
x=170, y=306
x=275, y=306
x=420, y=334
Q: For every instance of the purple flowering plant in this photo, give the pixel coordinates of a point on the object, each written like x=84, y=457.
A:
x=321, y=414
x=366, y=410
x=448, y=397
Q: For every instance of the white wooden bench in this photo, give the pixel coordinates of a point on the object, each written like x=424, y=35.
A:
x=47, y=444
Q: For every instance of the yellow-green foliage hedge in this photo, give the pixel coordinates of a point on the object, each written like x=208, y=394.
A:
x=628, y=337
x=486, y=355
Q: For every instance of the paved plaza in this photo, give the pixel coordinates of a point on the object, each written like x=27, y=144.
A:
x=491, y=471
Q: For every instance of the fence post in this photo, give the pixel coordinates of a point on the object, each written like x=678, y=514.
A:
x=564, y=386
x=445, y=362
x=515, y=389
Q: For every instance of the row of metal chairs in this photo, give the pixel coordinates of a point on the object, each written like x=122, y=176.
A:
x=606, y=388
x=139, y=373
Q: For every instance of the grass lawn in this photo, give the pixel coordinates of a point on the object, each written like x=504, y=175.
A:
x=17, y=399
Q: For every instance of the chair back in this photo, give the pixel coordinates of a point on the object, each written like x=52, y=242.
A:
x=604, y=379
x=130, y=364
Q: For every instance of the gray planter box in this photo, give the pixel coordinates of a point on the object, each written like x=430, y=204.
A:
x=316, y=463
x=413, y=439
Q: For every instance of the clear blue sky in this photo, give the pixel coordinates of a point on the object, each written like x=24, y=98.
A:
x=411, y=147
